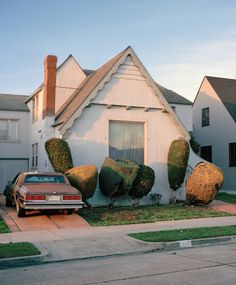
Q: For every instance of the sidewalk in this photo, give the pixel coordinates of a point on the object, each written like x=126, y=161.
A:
x=90, y=242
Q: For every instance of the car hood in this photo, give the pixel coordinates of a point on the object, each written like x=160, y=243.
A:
x=49, y=188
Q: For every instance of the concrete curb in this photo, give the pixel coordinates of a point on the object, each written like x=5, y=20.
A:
x=162, y=246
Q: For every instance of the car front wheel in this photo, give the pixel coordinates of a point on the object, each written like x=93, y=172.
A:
x=19, y=210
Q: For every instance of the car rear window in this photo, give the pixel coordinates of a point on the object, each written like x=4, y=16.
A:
x=44, y=179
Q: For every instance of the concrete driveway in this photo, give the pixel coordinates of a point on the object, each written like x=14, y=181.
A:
x=36, y=220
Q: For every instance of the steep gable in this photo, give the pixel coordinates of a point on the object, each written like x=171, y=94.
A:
x=226, y=90
x=89, y=88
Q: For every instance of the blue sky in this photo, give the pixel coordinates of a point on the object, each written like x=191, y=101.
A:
x=178, y=41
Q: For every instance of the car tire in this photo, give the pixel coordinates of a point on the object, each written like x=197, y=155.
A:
x=69, y=211
x=19, y=210
x=8, y=202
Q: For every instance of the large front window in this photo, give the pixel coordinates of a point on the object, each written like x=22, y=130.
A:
x=9, y=130
x=126, y=140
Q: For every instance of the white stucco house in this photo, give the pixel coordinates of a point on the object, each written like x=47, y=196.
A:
x=14, y=137
x=117, y=110
x=214, y=117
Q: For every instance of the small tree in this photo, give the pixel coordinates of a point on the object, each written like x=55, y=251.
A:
x=177, y=163
x=59, y=154
x=143, y=183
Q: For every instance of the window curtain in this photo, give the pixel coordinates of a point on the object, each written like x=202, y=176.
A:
x=126, y=141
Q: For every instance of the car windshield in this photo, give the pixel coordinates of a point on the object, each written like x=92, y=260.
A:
x=32, y=178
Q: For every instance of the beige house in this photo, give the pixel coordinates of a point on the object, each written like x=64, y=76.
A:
x=214, y=117
x=117, y=110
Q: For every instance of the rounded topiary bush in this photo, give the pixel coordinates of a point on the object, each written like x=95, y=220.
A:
x=59, y=154
x=143, y=183
x=84, y=178
x=117, y=176
x=204, y=183
x=177, y=163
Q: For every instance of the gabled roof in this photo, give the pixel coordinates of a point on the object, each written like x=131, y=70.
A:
x=225, y=88
x=82, y=96
x=11, y=102
x=173, y=97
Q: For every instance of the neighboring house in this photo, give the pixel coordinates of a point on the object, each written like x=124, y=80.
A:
x=214, y=117
x=14, y=137
x=117, y=111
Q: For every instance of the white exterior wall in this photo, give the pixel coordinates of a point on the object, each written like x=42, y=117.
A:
x=69, y=76
x=88, y=138
x=184, y=113
x=220, y=132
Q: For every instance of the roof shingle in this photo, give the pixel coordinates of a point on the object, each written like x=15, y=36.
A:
x=11, y=102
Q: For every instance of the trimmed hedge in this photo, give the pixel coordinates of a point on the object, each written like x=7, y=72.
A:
x=59, y=154
x=143, y=183
x=177, y=163
x=84, y=178
x=117, y=176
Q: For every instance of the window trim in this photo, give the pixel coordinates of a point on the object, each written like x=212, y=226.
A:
x=34, y=155
x=35, y=108
x=8, y=120
x=144, y=123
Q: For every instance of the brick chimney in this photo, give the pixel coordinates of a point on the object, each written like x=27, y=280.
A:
x=49, y=88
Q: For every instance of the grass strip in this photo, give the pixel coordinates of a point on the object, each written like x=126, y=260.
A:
x=18, y=249
x=102, y=216
x=185, y=234
x=226, y=197
x=3, y=227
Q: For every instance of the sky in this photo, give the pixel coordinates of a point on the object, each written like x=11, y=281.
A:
x=178, y=41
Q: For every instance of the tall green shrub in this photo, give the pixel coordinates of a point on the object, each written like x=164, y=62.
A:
x=177, y=163
x=59, y=154
x=143, y=183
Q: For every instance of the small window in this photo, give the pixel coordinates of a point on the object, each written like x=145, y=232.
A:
x=205, y=117
x=35, y=155
x=35, y=108
x=206, y=153
x=232, y=154
x=9, y=130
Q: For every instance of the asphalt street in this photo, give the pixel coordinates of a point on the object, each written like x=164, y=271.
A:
x=213, y=265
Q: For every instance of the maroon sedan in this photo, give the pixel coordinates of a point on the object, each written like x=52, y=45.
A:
x=42, y=191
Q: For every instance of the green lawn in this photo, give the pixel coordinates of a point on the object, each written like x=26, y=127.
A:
x=8, y=250
x=229, y=198
x=185, y=234
x=3, y=227
x=103, y=216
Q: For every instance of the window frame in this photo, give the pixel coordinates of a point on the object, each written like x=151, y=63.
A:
x=35, y=108
x=8, y=138
x=232, y=157
x=128, y=122
x=205, y=117
x=34, y=156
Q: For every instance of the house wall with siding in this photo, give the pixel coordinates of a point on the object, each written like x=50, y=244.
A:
x=220, y=132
